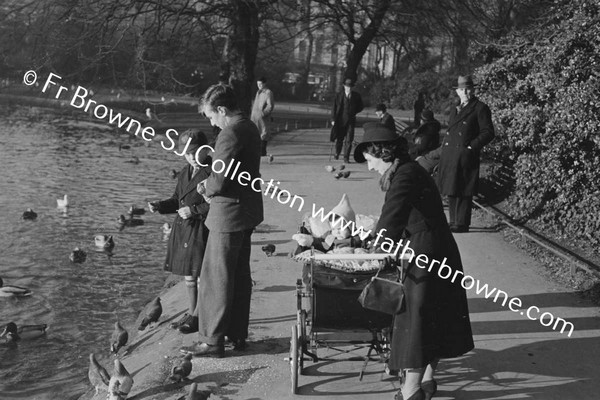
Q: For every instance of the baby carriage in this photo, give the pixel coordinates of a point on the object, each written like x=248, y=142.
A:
x=327, y=305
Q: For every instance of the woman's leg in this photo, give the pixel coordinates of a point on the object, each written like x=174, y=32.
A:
x=192, y=289
x=412, y=382
x=430, y=370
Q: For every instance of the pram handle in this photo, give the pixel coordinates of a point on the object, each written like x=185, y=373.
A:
x=366, y=256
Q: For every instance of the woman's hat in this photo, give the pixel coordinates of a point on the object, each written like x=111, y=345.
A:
x=427, y=116
x=374, y=133
x=465, y=82
x=198, y=139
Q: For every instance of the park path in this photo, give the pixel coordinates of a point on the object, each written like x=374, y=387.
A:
x=514, y=358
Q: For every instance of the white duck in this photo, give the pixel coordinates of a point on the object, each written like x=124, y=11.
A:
x=104, y=241
x=63, y=203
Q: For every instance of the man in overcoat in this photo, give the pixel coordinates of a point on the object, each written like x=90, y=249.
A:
x=235, y=210
x=470, y=128
x=346, y=105
x=261, y=112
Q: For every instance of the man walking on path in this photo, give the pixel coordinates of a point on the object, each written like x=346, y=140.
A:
x=235, y=210
x=469, y=129
x=346, y=105
x=261, y=113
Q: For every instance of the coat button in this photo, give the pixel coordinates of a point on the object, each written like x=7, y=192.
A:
x=185, y=245
x=446, y=144
x=447, y=133
x=464, y=122
x=459, y=133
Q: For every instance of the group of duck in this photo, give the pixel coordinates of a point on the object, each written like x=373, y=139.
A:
x=119, y=384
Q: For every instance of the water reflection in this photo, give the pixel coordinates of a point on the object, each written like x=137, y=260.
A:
x=42, y=158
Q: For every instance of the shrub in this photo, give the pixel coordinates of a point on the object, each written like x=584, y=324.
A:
x=543, y=92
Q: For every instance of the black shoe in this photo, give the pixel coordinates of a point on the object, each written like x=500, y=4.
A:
x=204, y=350
x=459, y=228
x=336, y=157
x=429, y=388
x=190, y=326
x=182, y=320
x=239, y=344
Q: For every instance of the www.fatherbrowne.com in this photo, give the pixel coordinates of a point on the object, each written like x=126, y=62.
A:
x=444, y=271
x=284, y=197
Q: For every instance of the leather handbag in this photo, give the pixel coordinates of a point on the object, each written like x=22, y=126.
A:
x=383, y=295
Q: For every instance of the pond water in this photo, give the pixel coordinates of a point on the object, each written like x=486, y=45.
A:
x=42, y=157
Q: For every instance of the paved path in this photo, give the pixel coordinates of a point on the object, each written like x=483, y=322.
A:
x=514, y=358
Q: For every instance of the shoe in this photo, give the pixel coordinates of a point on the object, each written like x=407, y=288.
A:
x=459, y=229
x=336, y=157
x=239, y=344
x=204, y=350
x=181, y=321
x=429, y=388
x=420, y=395
x=190, y=326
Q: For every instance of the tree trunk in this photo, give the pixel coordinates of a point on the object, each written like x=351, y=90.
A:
x=362, y=43
x=242, y=48
x=303, y=91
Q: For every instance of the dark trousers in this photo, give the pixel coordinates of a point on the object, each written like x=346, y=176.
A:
x=263, y=147
x=345, y=142
x=225, y=287
x=460, y=210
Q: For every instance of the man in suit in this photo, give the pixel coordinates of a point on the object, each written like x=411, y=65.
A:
x=346, y=105
x=261, y=112
x=385, y=118
x=235, y=210
x=470, y=128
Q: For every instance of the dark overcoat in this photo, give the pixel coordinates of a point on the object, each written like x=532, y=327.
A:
x=388, y=121
x=337, y=113
x=236, y=204
x=426, y=138
x=187, y=240
x=435, y=320
x=458, y=171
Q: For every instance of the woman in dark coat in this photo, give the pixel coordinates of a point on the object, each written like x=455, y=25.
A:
x=187, y=240
x=435, y=321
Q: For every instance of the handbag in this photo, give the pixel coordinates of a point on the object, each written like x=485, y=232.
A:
x=383, y=295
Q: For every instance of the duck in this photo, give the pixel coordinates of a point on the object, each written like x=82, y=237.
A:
x=166, y=228
x=133, y=210
x=183, y=368
x=133, y=160
x=24, y=332
x=269, y=249
x=152, y=315
x=346, y=174
x=119, y=338
x=121, y=381
x=124, y=147
x=173, y=174
x=13, y=291
x=63, y=203
x=97, y=375
x=77, y=255
x=29, y=214
x=329, y=168
x=129, y=222
x=104, y=241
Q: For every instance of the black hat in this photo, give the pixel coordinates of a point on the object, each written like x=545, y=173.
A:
x=198, y=139
x=465, y=82
x=381, y=107
x=349, y=82
x=427, y=116
x=374, y=133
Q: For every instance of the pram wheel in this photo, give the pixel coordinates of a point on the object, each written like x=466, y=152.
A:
x=295, y=356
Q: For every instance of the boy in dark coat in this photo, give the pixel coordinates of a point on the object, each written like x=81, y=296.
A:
x=427, y=137
x=187, y=241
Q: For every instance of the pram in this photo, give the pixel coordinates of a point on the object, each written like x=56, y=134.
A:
x=327, y=301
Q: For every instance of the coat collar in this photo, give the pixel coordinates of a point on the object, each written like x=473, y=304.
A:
x=458, y=116
x=191, y=184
